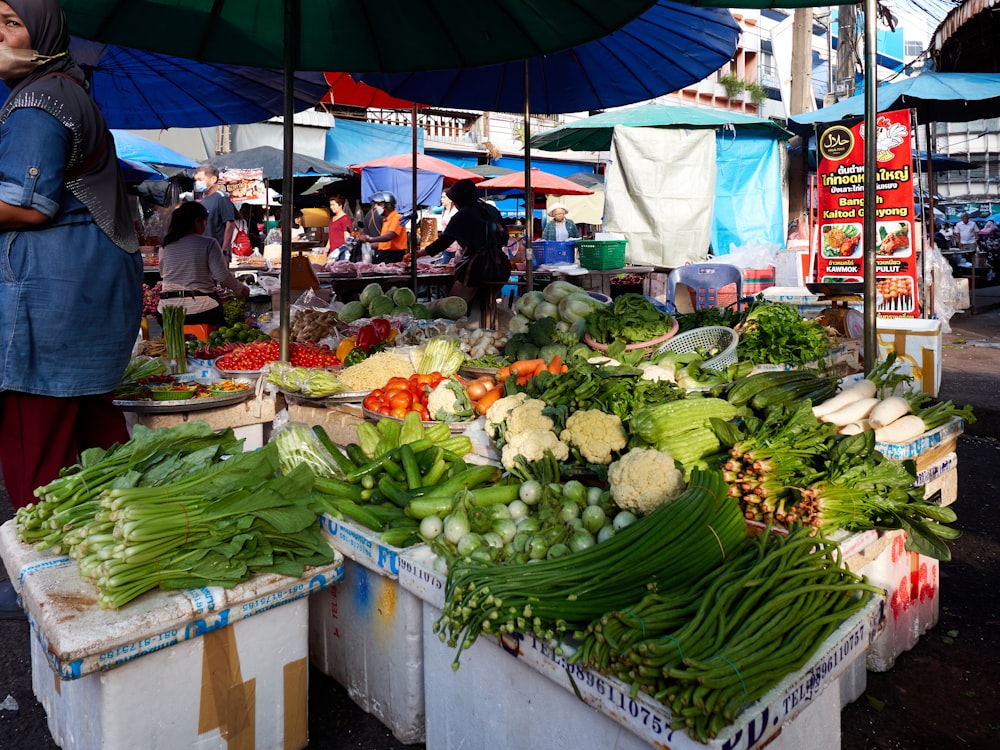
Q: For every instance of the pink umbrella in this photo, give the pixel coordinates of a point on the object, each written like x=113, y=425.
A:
x=449, y=171
x=541, y=182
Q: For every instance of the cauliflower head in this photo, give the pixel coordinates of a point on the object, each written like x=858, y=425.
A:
x=595, y=434
x=496, y=415
x=644, y=479
x=532, y=444
x=528, y=416
x=449, y=402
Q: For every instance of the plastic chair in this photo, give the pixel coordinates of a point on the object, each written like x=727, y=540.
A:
x=706, y=279
x=200, y=330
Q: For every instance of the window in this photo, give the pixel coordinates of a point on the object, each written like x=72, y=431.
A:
x=912, y=49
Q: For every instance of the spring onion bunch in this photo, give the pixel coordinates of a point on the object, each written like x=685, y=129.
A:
x=666, y=551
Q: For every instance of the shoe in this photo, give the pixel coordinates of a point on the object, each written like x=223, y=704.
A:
x=10, y=608
x=964, y=263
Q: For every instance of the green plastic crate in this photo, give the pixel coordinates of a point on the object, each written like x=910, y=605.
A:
x=600, y=255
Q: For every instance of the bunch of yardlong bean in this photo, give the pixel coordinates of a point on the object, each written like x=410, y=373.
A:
x=709, y=651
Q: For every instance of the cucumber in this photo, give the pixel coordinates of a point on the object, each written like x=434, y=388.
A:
x=788, y=392
x=744, y=390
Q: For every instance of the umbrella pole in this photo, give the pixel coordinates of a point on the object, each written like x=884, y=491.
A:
x=529, y=200
x=924, y=265
x=870, y=196
x=414, y=229
x=291, y=45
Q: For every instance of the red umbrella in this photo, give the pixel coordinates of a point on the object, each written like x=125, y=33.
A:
x=541, y=182
x=347, y=92
x=449, y=171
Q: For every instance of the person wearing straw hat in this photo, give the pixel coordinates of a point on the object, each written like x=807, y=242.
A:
x=560, y=228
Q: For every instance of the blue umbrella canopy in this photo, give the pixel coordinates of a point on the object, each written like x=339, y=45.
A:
x=399, y=182
x=148, y=90
x=937, y=97
x=666, y=48
x=132, y=147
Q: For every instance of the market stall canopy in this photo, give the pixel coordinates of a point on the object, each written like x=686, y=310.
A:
x=595, y=133
x=450, y=172
x=140, y=90
x=400, y=183
x=666, y=48
x=132, y=147
x=490, y=170
x=541, y=183
x=342, y=35
x=272, y=161
x=135, y=172
x=937, y=97
x=942, y=163
x=344, y=91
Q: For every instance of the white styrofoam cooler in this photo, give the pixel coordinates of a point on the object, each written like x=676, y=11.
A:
x=366, y=631
x=517, y=692
x=201, y=668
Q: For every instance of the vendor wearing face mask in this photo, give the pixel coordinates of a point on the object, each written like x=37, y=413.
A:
x=221, y=212
x=71, y=290
x=390, y=245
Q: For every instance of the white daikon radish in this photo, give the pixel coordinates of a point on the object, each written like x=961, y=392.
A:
x=853, y=412
x=859, y=390
x=903, y=429
x=888, y=411
x=855, y=428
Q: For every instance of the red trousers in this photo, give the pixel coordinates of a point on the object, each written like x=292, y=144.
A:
x=39, y=435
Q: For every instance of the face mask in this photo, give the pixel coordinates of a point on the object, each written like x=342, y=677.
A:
x=17, y=63
x=200, y=186
x=379, y=210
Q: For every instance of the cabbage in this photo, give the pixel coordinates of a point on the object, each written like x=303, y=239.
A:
x=369, y=293
x=380, y=305
x=452, y=308
x=546, y=310
x=518, y=324
x=556, y=290
x=404, y=297
x=526, y=303
x=351, y=311
x=442, y=354
x=577, y=306
x=420, y=312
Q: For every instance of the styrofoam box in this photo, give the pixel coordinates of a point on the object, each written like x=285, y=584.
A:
x=507, y=692
x=365, y=632
x=923, y=444
x=912, y=599
x=235, y=661
x=917, y=344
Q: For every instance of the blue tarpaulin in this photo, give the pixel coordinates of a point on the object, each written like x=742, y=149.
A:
x=352, y=142
x=747, y=209
x=400, y=183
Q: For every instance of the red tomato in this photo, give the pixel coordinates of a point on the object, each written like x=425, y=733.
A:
x=402, y=398
x=372, y=402
x=424, y=414
x=398, y=411
x=384, y=409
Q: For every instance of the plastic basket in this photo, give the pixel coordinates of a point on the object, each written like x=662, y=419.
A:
x=550, y=251
x=709, y=337
x=600, y=255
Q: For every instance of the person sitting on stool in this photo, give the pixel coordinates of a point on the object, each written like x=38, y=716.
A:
x=190, y=266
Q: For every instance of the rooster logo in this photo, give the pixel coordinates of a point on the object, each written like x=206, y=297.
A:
x=889, y=135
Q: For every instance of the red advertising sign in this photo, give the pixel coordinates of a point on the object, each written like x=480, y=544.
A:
x=840, y=200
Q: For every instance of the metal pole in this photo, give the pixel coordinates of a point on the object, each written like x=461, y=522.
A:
x=925, y=266
x=414, y=225
x=288, y=186
x=529, y=199
x=870, y=195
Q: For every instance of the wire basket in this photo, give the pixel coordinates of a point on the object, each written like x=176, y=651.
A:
x=710, y=337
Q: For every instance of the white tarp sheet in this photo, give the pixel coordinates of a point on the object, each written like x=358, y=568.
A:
x=659, y=192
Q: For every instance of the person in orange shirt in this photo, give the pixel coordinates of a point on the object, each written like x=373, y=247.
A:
x=391, y=245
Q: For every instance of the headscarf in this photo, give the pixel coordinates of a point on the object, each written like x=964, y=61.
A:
x=92, y=172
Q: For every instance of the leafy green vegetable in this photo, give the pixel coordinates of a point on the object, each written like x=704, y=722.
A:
x=630, y=318
x=774, y=332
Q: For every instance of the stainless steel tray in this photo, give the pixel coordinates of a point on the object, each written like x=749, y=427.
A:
x=188, y=404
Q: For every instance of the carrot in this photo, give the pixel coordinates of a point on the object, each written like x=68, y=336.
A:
x=525, y=366
x=483, y=405
x=564, y=368
x=555, y=366
x=503, y=373
x=540, y=369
